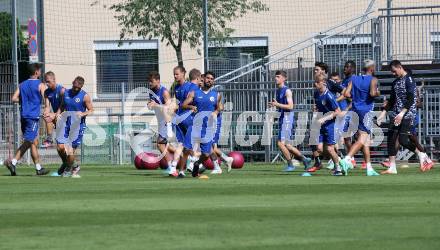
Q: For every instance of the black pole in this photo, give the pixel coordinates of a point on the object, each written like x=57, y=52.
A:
x=205, y=34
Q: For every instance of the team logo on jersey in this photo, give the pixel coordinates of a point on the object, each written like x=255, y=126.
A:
x=211, y=98
x=77, y=100
x=324, y=102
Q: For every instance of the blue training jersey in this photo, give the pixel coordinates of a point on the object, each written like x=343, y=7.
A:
x=30, y=99
x=182, y=92
x=75, y=102
x=360, y=93
x=205, y=102
x=157, y=97
x=325, y=103
x=344, y=103
x=54, y=96
x=333, y=87
x=282, y=99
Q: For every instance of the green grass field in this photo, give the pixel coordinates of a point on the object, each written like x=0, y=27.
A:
x=258, y=207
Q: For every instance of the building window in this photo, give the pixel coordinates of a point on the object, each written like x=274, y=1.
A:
x=335, y=51
x=129, y=63
x=237, y=53
x=435, y=42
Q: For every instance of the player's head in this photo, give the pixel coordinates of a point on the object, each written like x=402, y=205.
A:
x=320, y=81
x=77, y=84
x=179, y=74
x=154, y=79
x=49, y=79
x=35, y=70
x=320, y=68
x=280, y=77
x=335, y=77
x=369, y=66
x=209, y=79
x=397, y=69
x=349, y=68
x=195, y=75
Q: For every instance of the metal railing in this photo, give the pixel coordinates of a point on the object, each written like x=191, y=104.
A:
x=255, y=69
x=411, y=34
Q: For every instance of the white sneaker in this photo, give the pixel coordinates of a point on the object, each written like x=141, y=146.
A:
x=217, y=171
x=296, y=163
x=190, y=166
x=330, y=164
x=229, y=161
x=75, y=172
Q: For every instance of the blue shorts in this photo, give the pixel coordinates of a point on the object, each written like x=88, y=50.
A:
x=217, y=132
x=76, y=142
x=29, y=129
x=205, y=146
x=182, y=126
x=286, y=127
x=346, y=125
x=365, y=121
x=327, y=134
x=181, y=131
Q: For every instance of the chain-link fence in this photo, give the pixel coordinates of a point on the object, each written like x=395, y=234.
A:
x=82, y=37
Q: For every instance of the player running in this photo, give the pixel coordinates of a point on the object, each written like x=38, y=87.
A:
x=335, y=88
x=210, y=77
x=76, y=105
x=29, y=94
x=52, y=101
x=160, y=100
x=284, y=104
x=183, y=118
x=402, y=103
x=326, y=103
x=204, y=103
x=345, y=105
x=362, y=90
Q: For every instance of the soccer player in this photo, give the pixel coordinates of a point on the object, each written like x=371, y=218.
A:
x=76, y=105
x=183, y=118
x=52, y=101
x=159, y=102
x=362, y=90
x=210, y=77
x=284, y=104
x=402, y=103
x=29, y=94
x=326, y=103
x=204, y=104
x=335, y=88
x=345, y=105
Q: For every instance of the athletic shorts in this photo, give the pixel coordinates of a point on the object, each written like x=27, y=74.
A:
x=327, y=134
x=29, y=129
x=365, y=121
x=191, y=140
x=75, y=137
x=286, y=127
x=217, y=132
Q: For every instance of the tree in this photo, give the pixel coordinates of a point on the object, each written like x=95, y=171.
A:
x=6, y=39
x=180, y=21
